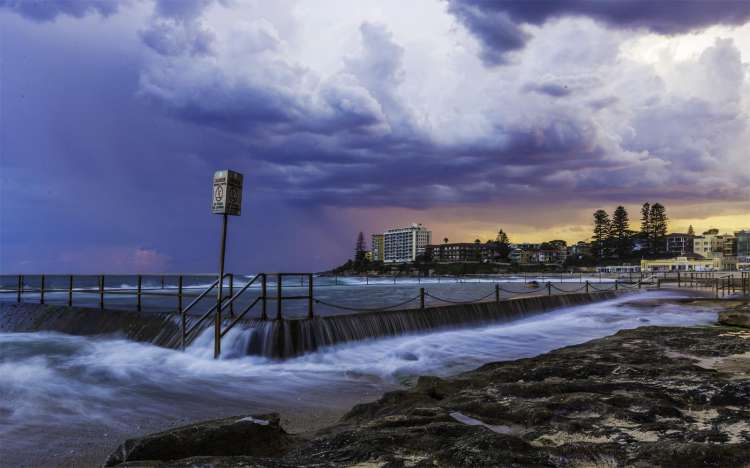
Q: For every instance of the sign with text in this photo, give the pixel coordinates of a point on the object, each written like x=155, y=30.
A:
x=227, y=194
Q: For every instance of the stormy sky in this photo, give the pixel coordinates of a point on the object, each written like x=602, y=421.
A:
x=465, y=115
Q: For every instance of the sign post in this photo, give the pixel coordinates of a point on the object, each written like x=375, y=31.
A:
x=227, y=201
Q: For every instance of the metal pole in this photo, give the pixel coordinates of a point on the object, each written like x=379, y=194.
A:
x=220, y=292
x=101, y=292
x=19, y=289
x=70, y=290
x=138, y=289
x=41, y=290
x=615, y=285
x=278, y=296
x=263, y=315
x=421, y=298
x=497, y=292
x=549, y=288
x=310, y=295
x=587, y=286
x=179, y=293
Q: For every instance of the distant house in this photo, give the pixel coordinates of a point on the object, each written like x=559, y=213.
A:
x=465, y=252
x=679, y=244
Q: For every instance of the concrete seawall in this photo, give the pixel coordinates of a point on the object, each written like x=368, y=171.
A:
x=161, y=329
x=281, y=339
x=295, y=337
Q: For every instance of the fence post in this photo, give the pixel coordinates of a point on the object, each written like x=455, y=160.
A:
x=278, y=295
x=138, y=288
x=497, y=292
x=162, y=281
x=549, y=288
x=101, y=292
x=310, y=295
x=70, y=290
x=41, y=290
x=716, y=287
x=678, y=280
x=615, y=285
x=421, y=298
x=263, y=315
x=587, y=286
x=19, y=289
x=179, y=293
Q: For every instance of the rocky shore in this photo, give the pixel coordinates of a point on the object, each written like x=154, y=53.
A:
x=651, y=396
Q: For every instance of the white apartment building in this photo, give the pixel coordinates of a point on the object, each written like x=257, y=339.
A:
x=405, y=244
x=707, y=244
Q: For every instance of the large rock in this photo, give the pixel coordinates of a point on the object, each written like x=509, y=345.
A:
x=257, y=436
x=736, y=317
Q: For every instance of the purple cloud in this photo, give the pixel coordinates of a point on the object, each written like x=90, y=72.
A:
x=498, y=24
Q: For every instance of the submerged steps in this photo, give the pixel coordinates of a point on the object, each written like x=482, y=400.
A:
x=284, y=338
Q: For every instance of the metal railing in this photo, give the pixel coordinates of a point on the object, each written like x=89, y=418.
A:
x=196, y=288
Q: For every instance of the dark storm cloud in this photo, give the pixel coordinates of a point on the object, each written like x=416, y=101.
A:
x=48, y=10
x=498, y=24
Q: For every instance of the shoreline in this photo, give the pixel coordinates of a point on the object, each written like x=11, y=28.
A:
x=641, y=395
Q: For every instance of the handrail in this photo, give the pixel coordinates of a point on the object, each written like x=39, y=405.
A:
x=201, y=296
x=242, y=290
x=204, y=316
x=240, y=316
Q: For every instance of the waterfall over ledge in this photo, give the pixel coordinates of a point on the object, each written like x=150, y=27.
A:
x=285, y=338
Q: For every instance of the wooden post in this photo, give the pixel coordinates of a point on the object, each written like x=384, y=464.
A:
x=70, y=290
x=278, y=296
x=263, y=314
x=101, y=292
x=179, y=293
x=138, y=288
x=41, y=290
x=19, y=289
x=497, y=292
x=310, y=299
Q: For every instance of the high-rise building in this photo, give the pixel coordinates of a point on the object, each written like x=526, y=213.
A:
x=377, y=248
x=405, y=244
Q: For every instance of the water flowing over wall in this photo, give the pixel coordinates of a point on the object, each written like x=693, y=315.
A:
x=281, y=339
x=161, y=329
x=295, y=337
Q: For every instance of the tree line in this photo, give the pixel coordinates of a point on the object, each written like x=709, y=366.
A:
x=612, y=236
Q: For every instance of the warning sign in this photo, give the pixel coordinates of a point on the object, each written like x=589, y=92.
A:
x=227, y=195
